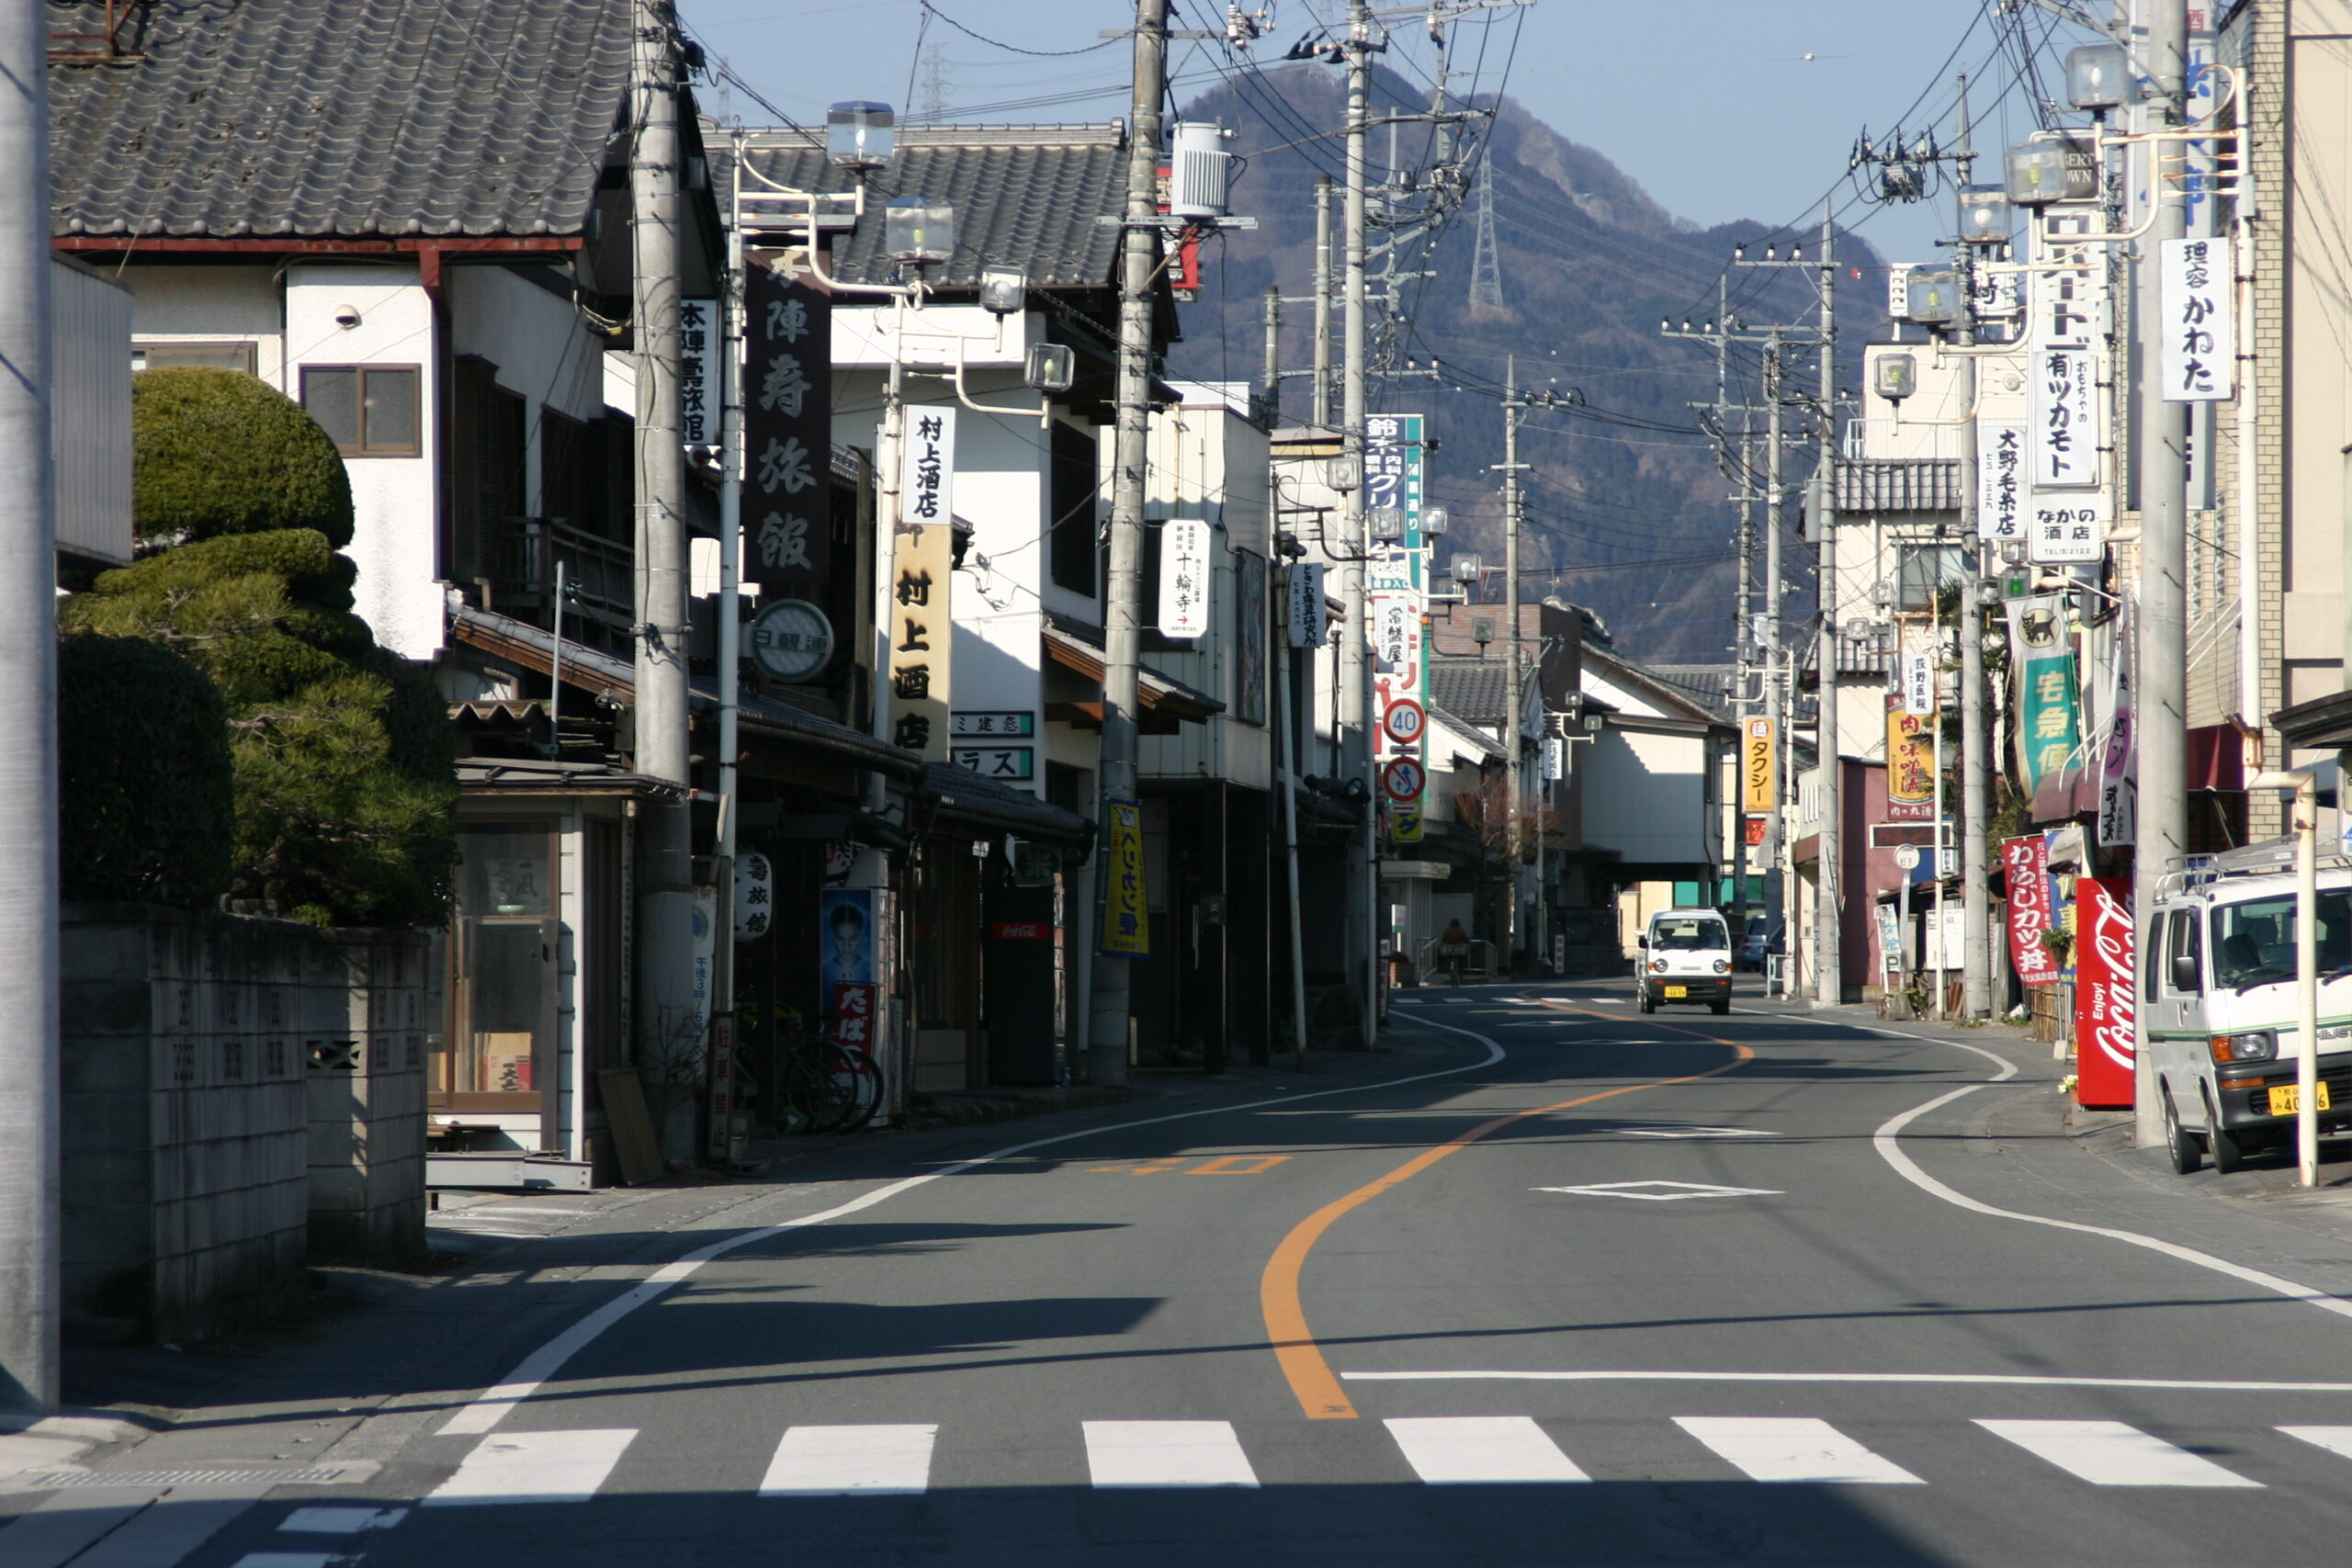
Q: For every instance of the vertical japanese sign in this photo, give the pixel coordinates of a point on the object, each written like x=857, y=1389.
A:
x=1184, y=566
x=1910, y=765
x=2025, y=866
x=2197, y=293
x=1250, y=638
x=2067, y=528
x=2049, y=728
x=1919, y=682
x=1755, y=767
x=1396, y=601
x=2000, y=481
x=699, y=350
x=2104, y=1049
x=1302, y=616
x=1127, y=912
x=787, y=431
x=922, y=568
x=2117, y=791
x=2065, y=446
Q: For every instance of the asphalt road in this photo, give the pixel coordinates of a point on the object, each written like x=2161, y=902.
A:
x=1590, y=1288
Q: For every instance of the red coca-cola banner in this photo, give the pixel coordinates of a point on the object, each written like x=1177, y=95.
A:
x=2025, y=864
x=2103, y=975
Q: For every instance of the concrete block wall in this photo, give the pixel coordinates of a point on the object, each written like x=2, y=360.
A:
x=195, y=1193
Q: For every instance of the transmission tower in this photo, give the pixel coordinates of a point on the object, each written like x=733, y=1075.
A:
x=1486, y=266
x=935, y=70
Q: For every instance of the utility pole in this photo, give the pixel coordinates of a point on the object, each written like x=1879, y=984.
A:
x=1272, y=371
x=29, y=937
x=1106, y=1054
x=1976, y=949
x=1322, y=383
x=1353, y=721
x=2162, y=677
x=1828, y=912
x=1513, y=408
x=1776, y=880
x=665, y=847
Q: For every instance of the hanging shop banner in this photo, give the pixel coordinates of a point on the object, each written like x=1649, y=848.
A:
x=699, y=340
x=2197, y=292
x=2118, y=793
x=1756, y=766
x=1183, y=579
x=845, y=939
x=2049, y=721
x=2067, y=527
x=2065, y=431
x=2103, y=971
x=1910, y=765
x=1127, y=912
x=787, y=431
x=2001, y=481
x=1920, y=684
x=1396, y=604
x=922, y=571
x=1304, y=615
x=2025, y=865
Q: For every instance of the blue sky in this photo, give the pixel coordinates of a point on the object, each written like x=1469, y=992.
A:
x=1719, y=108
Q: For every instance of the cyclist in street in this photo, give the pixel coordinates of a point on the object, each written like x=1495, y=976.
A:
x=1453, y=950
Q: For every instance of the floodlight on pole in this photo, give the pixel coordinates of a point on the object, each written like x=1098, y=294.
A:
x=1004, y=290
x=1433, y=520
x=2099, y=77
x=917, y=229
x=1387, y=522
x=860, y=135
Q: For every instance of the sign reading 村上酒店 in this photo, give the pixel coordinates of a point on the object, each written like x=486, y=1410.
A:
x=923, y=571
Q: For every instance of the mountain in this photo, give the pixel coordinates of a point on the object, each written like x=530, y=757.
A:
x=1627, y=509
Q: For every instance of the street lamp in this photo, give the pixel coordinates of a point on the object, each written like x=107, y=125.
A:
x=860, y=135
x=1004, y=290
x=2096, y=77
x=1468, y=569
x=916, y=228
x=1433, y=522
x=1386, y=524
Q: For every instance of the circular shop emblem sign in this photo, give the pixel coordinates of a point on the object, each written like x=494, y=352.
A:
x=1401, y=780
x=1404, y=721
x=791, y=640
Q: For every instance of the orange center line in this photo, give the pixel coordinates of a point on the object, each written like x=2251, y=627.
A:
x=1311, y=1381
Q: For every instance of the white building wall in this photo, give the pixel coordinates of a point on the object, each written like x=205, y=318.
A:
x=1646, y=795
x=211, y=304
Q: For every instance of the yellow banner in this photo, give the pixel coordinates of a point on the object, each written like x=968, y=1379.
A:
x=1910, y=757
x=1755, y=767
x=1127, y=914
x=922, y=630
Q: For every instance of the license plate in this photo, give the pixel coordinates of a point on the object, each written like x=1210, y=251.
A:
x=2282, y=1100
x=1673, y=991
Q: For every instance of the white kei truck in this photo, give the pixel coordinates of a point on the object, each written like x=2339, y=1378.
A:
x=1684, y=958
x=2219, y=988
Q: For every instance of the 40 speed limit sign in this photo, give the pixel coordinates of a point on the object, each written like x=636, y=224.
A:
x=1401, y=779
x=1404, y=721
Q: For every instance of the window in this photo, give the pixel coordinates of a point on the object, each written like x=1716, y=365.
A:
x=1073, y=485
x=1922, y=569
x=1689, y=935
x=2254, y=943
x=2184, y=953
x=218, y=355
x=370, y=410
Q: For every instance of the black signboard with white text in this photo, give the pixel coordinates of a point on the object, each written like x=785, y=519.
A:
x=787, y=431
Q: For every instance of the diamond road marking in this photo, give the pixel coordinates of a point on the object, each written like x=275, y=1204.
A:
x=1662, y=1191
x=1693, y=1133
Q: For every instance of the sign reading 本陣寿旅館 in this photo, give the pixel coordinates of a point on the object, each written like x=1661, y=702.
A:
x=788, y=432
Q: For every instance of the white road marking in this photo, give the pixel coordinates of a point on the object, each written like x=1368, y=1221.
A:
x=1694, y=1132
x=484, y=1412
x=341, y=1521
x=1993, y=1380
x=1661, y=1191
x=2110, y=1453
x=2334, y=1440
x=285, y=1560
x=1404, y=1001
x=851, y=1461
x=535, y=1467
x=1166, y=1453
x=1480, y=1449
x=1775, y=1447
x=1886, y=1140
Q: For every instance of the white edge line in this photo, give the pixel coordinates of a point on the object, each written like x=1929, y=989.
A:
x=1992, y=1379
x=1886, y=1140
x=484, y=1412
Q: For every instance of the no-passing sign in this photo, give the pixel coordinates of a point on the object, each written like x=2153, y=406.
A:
x=1401, y=779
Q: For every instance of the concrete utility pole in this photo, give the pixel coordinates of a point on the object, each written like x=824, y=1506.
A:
x=2160, y=689
x=1828, y=914
x=1976, y=949
x=29, y=938
x=1513, y=408
x=1353, y=720
x=1106, y=1040
x=1776, y=880
x=1322, y=383
x=1272, y=371
x=664, y=848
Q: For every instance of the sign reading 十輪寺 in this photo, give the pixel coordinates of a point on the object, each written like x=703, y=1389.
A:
x=1756, y=766
x=787, y=431
x=1183, y=579
x=2196, y=292
x=1127, y=912
x=923, y=571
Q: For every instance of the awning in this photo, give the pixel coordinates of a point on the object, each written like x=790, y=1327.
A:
x=2323, y=721
x=535, y=776
x=965, y=797
x=1079, y=652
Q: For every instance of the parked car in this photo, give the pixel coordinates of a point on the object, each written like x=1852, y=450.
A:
x=1755, y=943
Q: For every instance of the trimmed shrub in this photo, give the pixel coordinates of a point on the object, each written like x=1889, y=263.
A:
x=218, y=452
x=146, y=775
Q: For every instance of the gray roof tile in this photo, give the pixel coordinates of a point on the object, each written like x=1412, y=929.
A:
x=258, y=119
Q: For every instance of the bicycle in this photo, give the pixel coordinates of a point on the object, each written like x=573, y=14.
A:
x=827, y=1085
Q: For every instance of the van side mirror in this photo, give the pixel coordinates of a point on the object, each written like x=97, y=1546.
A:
x=1641, y=939
x=2185, y=977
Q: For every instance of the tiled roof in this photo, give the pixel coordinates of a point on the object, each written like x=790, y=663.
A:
x=1704, y=685
x=1919, y=484
x=1470, y=688
x=339, y=117
x=1025, y=196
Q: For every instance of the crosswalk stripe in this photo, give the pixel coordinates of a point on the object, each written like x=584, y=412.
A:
x=843, y=1461
x=340, y=1521
x=2111, y=1453
x=535, y=1467
x=1776, y=1448
x=2334, y=1440
x=1469, y=1450
x=1166, y=1453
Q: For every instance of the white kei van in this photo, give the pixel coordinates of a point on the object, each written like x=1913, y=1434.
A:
x=2220, y=988
x=1685, y=956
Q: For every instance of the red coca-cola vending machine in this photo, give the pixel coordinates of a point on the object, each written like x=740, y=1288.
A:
x=2104, y=972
